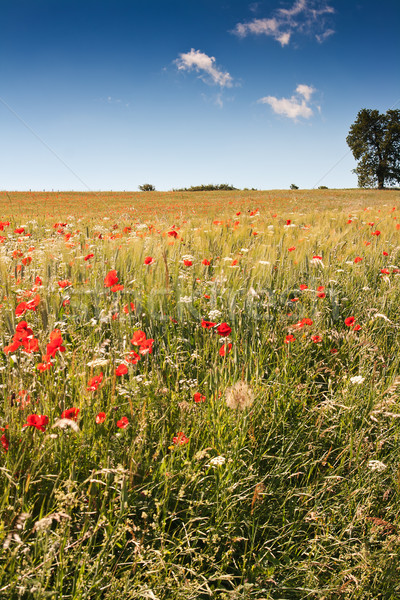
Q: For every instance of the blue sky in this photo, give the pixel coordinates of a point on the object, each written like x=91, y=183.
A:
x=111, y=94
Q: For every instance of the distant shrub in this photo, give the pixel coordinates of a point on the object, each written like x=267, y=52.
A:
x=207, y=188
x=293, y=186
x=323, y=187
x=147, y=187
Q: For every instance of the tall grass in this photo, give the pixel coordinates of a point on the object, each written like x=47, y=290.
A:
x=290, y=492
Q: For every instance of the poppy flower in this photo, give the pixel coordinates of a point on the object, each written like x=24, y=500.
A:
x=146, y=347
x=37, y=421
x=111, y=278
x=19, y=230
x=357, y=327
x=357, y=259
x=289, y=338
x=288, y=221
x=225, y=349
x=70, y=413
x=55, y=344
x=180, y=439
x=187, y=263
x=385, y=271
x=148, y=260
x=123, y=423
x=138, y=338
x=197, y=397
x=224, y=330
x=316, y=339
x=350, y=321
x=121, y=370
x=321, y=294
x=292, y=249
x=100, y=418
x=303, y=286
x=94, y=383
x=64, y=283
x=44, y=366
x=88, y=256
x=376, y=232
x=4, y=442
x=127, y=306
x=205, y=262
x=207, y=324
x=172, y=234
x=384, y=254
x=132, y=358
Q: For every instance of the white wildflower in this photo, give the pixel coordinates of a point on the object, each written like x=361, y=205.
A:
x=357, y=379
x=376, y=465
x=217, y=461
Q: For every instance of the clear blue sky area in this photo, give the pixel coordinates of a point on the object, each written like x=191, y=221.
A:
x=111, y=94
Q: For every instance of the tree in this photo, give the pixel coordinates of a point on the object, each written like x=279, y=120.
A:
x=147, y=187
x=374, y=140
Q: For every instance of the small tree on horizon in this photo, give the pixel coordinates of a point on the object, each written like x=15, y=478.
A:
x=147, y=187
x=374, y=140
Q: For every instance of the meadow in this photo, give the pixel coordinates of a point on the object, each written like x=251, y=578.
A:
x=200, y=395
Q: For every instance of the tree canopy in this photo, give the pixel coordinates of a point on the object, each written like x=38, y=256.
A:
x=374, y=140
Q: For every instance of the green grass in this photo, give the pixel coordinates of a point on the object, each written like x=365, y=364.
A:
x=295, y=506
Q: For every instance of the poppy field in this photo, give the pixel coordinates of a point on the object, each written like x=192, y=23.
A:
x=200, y=395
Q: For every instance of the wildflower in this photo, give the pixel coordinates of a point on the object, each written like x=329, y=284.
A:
x=55, y=344
x=349, y=321
x=180, y=439
x=146, y=347
x=291, y=249
x=123, y=423
x=173, y=234
x=4, y=442
x=138, y=338
x=205, y=262
x=217, y=461
x=197, y=397
x=187, y=263
x=207, y=324
x=44, y=366
x=130, y=306
x=357, y=259
x=64, y=283
x=37, y=421
x=132, y=358
x=316, y=339
x=148, y=260
x=303, y=286
x=111, y=279
x=321, y=294
x=357, y=379
x=88, y=257
x=224, y=330
x=289, y=338
x=94, y=383
x=385, y=271
x=70, y=413
x=376, y=232
x=121, y=370
x=239, y=396
x=376, y=465
x=225, y=349
x=100, y=418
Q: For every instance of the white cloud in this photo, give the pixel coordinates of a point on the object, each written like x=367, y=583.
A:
x=305, y=16
x=294, y=107
x=205, y=65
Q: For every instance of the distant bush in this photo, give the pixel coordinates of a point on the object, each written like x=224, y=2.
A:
x=207, y=188
x=293, y=186
x=147, y=187
x=323, y=187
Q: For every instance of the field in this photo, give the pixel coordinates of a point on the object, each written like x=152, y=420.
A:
x=200, y=395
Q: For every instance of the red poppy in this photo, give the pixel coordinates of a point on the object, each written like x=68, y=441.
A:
x=38, y=421
x=64, y=283
x=385, y=253
x=357, y=259
x=303, y=286
x=197, y=397
x=225, y=349
x=70, y=413
x=20, y=309
x=100, y=418
x=55, y=344
x=132, y=358
x=148, y=260
x=350, y=321
x=146, y=347
x=94, y=383
x=316, y=339
x=357, y=327
x=187, y=263
x=127, y=306
x=289, y=338
x=375, y=232
x=4, y=442
x=121, y=370
x=288, y=221
x=224, y=330
x=205, y=262
x=317, y=257
x=291, y=249
x=123, y=423
x=27, y=260
x=19, y=230
x=321, y=294
x=207, y=324
x=88, y=256
x=138, y=338
x=44, y=366
x=180, y=439
x=172, y=234
x=111, y=278
x=385, y=271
